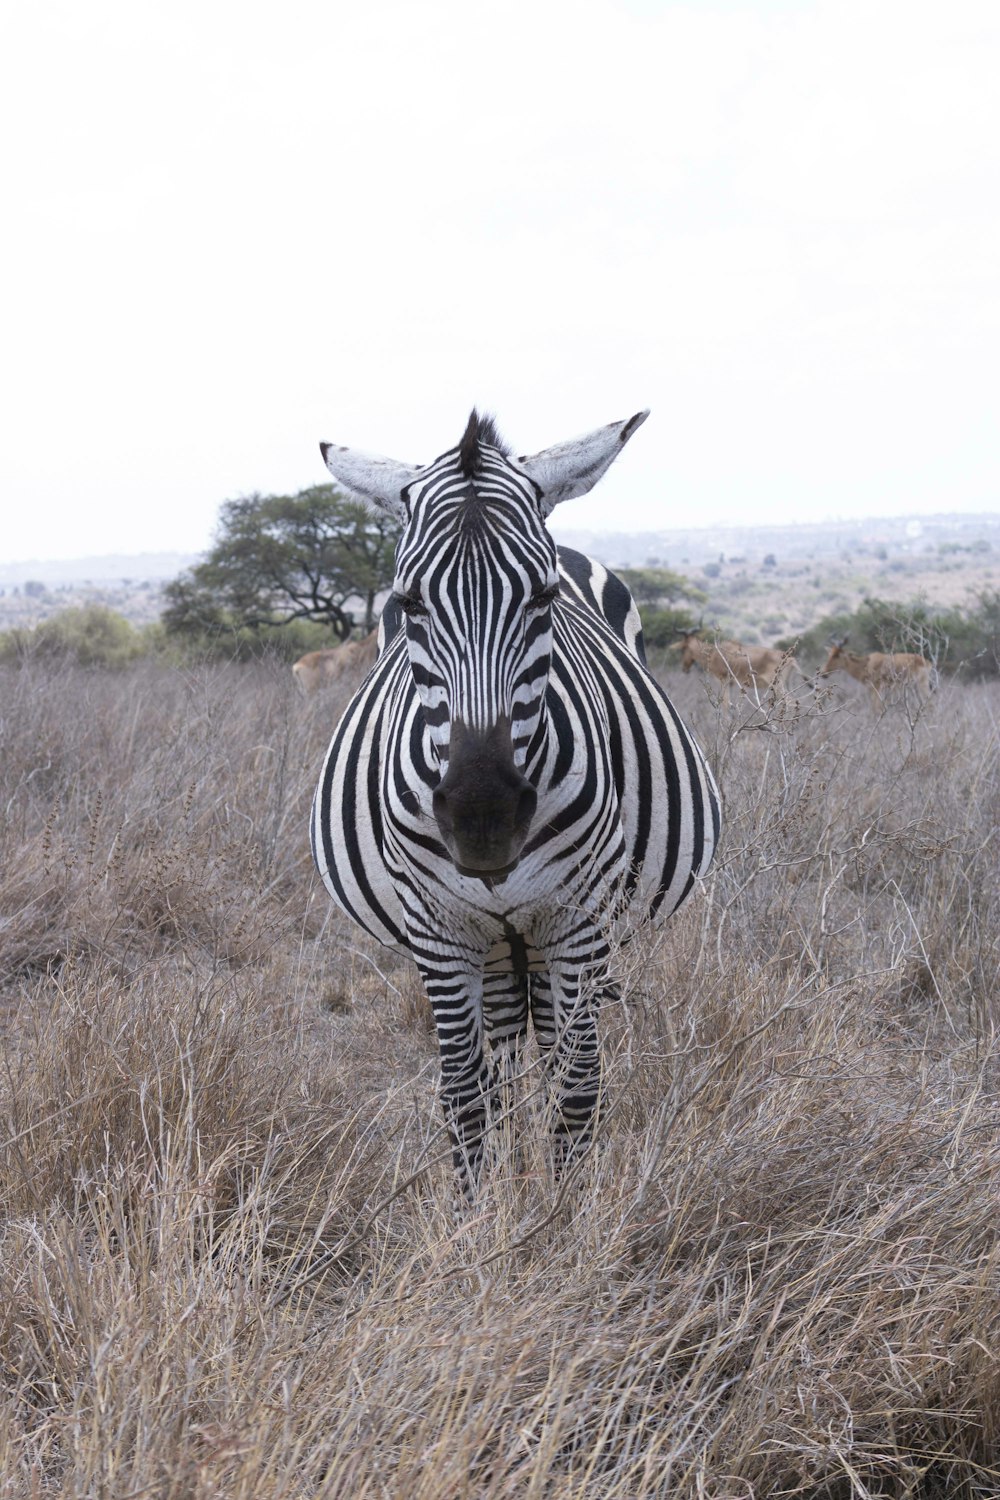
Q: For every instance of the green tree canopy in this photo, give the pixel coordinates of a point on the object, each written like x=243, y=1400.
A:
x=277, y=558
x=659, y=587
x=656, y=592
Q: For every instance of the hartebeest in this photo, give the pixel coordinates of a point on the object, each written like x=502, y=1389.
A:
x=319, y=668
x=754, y=669
x=883, y=673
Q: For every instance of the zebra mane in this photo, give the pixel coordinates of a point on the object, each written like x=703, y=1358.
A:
x=480, y=429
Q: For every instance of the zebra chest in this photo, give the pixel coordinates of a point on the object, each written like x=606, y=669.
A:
x=607, y=830
x=576, y=857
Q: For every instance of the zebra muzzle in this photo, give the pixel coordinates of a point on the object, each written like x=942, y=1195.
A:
x=483, y=804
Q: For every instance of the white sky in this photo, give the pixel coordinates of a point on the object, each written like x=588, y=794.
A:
x=235, y=229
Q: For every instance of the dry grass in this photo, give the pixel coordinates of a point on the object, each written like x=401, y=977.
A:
x=229, y=1265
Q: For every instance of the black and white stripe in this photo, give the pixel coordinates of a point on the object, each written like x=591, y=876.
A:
x=509, y=778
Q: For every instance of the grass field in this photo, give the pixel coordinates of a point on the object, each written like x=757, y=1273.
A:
x=230, y=1265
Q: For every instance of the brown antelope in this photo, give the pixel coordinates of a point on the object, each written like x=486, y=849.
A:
x=754, y=669
x=883, y=673
x=320, y=668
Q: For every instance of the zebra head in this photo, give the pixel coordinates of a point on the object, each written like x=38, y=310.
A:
x=476, y=580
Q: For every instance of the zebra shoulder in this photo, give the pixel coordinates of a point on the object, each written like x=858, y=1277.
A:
x=595, y=586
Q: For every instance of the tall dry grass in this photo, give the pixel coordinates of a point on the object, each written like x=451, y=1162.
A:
x=229, y=1263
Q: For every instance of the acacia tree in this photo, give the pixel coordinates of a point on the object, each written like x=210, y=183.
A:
x=277, y=558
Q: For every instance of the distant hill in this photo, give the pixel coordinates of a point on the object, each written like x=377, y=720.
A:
x=761, y=583
x=149, y=567
x=670, y=547
x=680, y=547
x=129, y=583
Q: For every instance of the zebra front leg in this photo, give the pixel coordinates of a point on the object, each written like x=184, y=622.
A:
x=455, y=994
x=564, y=1016
x=505, y=1019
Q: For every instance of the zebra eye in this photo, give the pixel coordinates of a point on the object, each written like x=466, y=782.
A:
x=542, y=598
x=411, y=604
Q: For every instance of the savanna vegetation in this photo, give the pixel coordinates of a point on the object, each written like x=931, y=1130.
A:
x=961, y=640
x=92, y=635
x=230, y=1265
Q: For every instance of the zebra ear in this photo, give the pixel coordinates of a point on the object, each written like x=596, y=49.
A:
x=573, y=468
x=377, y=482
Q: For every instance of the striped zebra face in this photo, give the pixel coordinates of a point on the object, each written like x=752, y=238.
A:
x=476, y=580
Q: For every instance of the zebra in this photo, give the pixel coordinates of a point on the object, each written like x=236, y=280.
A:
x=509, y=778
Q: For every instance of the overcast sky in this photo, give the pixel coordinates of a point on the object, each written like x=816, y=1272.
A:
x=233, y=230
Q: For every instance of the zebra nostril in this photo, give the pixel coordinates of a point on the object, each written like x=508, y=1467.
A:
x=483, y=804
x=439, y=802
